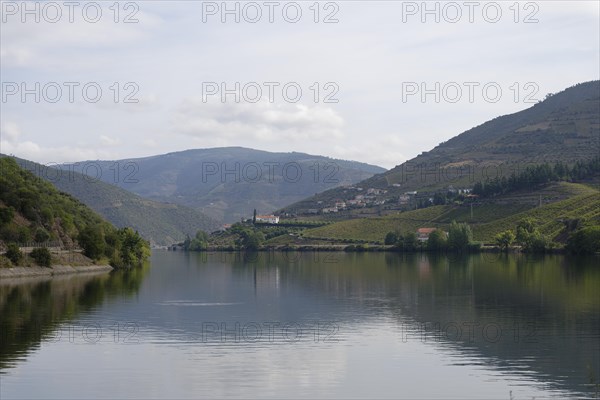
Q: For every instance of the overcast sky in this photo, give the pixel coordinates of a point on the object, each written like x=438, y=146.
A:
x=374, y=62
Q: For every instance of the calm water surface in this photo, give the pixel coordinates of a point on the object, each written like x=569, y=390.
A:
x=307, y=325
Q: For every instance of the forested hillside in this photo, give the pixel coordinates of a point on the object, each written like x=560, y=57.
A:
x=35, y=213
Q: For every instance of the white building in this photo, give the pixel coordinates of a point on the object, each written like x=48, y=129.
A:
x=267, y=219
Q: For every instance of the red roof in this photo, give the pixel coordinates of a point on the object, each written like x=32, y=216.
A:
x=426, y=230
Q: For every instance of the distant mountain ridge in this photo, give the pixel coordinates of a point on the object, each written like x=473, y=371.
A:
x=159, y=223
x=228, y=183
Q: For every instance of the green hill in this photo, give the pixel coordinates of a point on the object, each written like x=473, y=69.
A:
x=229, y=183
x=487, y=220
x=564, y=128
x=160, y=223
x=32, y=210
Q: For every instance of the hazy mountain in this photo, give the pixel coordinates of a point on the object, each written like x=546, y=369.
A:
x=160, y=223
x=564, y=127
x=228, y=183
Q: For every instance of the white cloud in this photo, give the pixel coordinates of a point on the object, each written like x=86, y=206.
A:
x=71, y=45
x=9, y=132
x=369, y=53
x=150, y=143
x=108, y=141
x=261, y=122
x=45, y=154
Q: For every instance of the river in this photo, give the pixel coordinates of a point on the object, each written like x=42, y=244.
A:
x=307, y=325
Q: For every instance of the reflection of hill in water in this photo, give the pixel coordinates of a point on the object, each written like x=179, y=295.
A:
x=182, y=291
x=535, y=315
x=547, y=311
x=32, y=309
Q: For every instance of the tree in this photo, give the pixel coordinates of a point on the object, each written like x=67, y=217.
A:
x=6, y=215
x=436, y=240
x=253, y=240
x=537, y=243
x=585, y=240
x=42, y=257
x=505, y=239
x=391, y=238
x=410, y=241
x=459, y=236
x=525, y=229
x=134, y=249
x=530, y=237
x=202, y=236
x=13, y=253
x=91, y=239
x=199, y=242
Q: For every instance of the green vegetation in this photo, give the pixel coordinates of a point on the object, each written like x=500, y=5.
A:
x=32, y=209
x=374, y=229
x=252, y=240
x=391, y=238
x=14, y=254
x=169, y=222
x=489, y=221
x=437, y=241
x=198, y=243
x=460, y=237
x=560, y=130
x=42, y=256
x=548, y=218
x=530, y=238
x=240, y=236
x=538, y=175
x=505, y=239
x=585, y=240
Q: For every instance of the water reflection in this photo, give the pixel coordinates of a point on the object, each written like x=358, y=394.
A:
x=33, y=309
x=533, y=319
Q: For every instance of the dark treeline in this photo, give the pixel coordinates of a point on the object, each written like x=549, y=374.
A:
x=538, y=175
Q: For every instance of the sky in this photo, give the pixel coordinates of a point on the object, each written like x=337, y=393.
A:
x=372, y=81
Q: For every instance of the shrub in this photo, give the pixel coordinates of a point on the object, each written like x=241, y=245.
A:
x=436, y=240
x=92, y=240
x=42, y=256
x=6, y=215
x=13, y=253
x=505, y=239
x=459, y=236
x=41, y=235
x=586, y=240
x=391, y=238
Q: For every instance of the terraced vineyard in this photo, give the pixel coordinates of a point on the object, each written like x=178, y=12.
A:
x=548, y=218
x=487, y=220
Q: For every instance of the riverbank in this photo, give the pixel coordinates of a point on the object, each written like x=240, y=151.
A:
x=19, y=272
x=359, y=248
